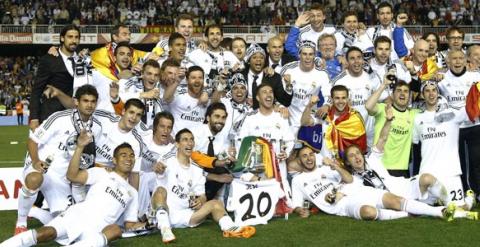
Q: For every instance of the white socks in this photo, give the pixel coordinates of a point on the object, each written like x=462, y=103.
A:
x=162, y=218
x=24, y=239
x=420, y=208
x=26, y=199
x=386, y=214
x=226, y=223
x=439, y=191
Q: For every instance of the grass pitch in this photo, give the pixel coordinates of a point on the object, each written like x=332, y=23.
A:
x=318, y=230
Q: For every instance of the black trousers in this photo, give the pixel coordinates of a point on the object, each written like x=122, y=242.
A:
x=469, y=151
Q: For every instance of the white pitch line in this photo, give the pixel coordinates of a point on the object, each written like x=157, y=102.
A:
x=11, y=162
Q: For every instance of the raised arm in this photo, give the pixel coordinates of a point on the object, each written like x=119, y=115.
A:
x=74, y=174
x=371, y=104
x=385, y=129
x=307, y=119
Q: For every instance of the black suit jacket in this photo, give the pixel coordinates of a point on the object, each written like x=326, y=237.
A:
x=278, y=91
x=286, y=58
x=51, y=71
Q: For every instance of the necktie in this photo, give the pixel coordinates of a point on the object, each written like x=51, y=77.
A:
x=210, y=151
x=254, y=86
x=73, y=64
x=274, y=65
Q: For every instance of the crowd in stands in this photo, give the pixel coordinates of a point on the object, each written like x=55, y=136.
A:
x=233, y=12
x=16, y=79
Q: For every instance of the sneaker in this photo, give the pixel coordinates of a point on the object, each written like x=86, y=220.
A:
x=472, y=215
x=20, y=229
x=240, y=232
x=167, y=235
x=449, y=212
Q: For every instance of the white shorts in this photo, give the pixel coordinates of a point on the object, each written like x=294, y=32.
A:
x=409, y=188
x=351, y=204
x=146, y=188
x=56, y=189
x=454, y=189
x=180, y=218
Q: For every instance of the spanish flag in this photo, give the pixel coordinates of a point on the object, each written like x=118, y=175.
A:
x=473, y=103
x=345, y=130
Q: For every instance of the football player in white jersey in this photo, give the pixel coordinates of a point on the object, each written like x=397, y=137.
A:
x=117, y=130
x=304, y=79
x=455, y=87
x=187, y=204
x=188, y=102
x=184, y=26
x=381, y=62
x=438, y=130
x=50, y=148
x=92, y=222
x=145, y=88
x=308, y=26
x=215, y=60
x=473, y=56
x=331, y=189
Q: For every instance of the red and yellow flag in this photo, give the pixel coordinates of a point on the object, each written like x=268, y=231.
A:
x=344, y=131
x=473, y=103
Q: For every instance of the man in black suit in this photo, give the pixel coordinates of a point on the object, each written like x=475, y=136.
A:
x=56, y=71
x=256, y=73
x=276, y=58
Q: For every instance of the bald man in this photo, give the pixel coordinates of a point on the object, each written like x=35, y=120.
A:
x=276, y=57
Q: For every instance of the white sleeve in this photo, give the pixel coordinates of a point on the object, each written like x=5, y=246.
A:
x=416, y=131
x=125, y=92
x=340, y=41
x=297, y=193
x=47, y=130
x=199, y=188
x=130, y=214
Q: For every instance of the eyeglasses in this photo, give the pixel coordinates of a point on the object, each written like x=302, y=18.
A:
x=455, y=37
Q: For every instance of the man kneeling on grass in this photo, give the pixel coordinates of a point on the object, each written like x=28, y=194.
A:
x=187, y=204
x=92, y=222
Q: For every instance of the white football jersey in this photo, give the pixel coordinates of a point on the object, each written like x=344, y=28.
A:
x=163, y=43
x=112, y=136
x=56, y=137
x=456, y=88
x=181, y=182
x=376, y=31
x=102, y=84
x=210, y=60
x=381, y=69
x=110, y=200
x=307, y=33
x=202, y=134
x=439, y=143
x=235, y=115
x=186, y=110
x=154, y=153
x=305, y=84
x=253, y=203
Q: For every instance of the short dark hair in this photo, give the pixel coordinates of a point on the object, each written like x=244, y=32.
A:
x=180, y=133
x=134, y=102
x=183, y=17
x=193, y=69
x=123, y=145
x=382, y=39
x=317, y=6
x=425, y=36
x=241, y=39
x=212, y=107
x=207, y=29
x=173, y=37
x=67, y=28
x=349, y=13
x=226, y=43
x=170, y=62
x=158, y=116
x=262, y=85
x=400, y=83
x=352, y=49
x=116, y=30
x=86, y=89
x=338, y=88
x=452, y=29
x=152, y=63
x=383, y=5
x=122, y=44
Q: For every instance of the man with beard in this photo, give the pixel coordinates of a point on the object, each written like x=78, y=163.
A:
x=455, y=87
x=50, y=147
x=211, y=139
x=57, y=72
x=145, y=88
x=215, y=60
x=381, y=62
x=187, y=103
x=433, y=53
x=303, y=79
x=276, y=57
x=308, y=26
